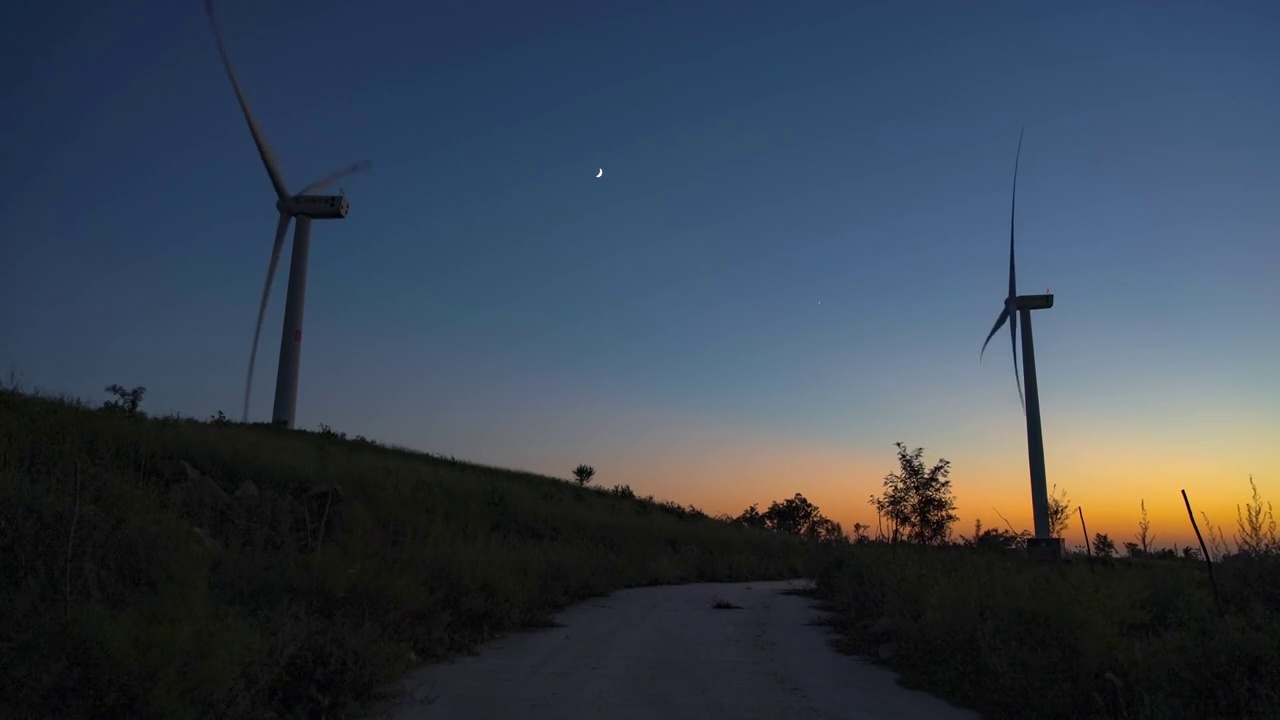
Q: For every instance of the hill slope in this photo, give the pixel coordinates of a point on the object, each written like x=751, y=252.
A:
x=173, y=568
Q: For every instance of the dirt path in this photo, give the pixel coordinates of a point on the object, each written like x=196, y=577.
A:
x=665, y=653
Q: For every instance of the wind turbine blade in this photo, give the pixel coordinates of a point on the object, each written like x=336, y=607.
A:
x=1013, y=206
x=1011, y=303
x=259, y=138
x=282, y=228
x=335, y=176
x=1004, y=315
x=1013, y=343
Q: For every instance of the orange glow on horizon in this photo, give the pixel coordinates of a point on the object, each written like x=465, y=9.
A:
x=1107, y=464
x=733, y=475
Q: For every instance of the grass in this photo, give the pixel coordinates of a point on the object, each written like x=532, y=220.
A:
x=1018, y=639
x=174, y=568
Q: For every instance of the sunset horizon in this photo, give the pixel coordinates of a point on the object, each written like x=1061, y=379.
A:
x=721, y=469
x=797, y=245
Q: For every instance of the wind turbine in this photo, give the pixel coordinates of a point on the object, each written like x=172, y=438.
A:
x=305, y=206
x=1042, y=543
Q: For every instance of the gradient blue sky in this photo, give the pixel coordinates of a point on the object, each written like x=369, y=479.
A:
x=796, y=250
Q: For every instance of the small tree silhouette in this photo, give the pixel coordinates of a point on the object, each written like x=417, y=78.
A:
x=751, y=517
x=1059, y=513
x=583, y=474
x=127, y=401
x=794, y=516
x=917, y=501
x=860, y=533
x=1103, y=545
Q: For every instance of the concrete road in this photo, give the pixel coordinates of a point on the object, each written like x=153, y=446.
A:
x=665, y=653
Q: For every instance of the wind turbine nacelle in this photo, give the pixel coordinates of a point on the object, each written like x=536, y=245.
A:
x=320, y=207
x=1035, y=302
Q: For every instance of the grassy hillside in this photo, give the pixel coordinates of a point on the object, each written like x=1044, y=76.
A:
x=172, y=568
x=1017, y=639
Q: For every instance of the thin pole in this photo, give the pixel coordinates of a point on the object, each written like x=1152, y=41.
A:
x=1035, y=438
x=291, y=337
x=1085, y=530
x=1207, y=560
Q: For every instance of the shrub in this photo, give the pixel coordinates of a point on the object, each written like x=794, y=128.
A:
x=126, y=402
x=583, y=474
x=1142, y=637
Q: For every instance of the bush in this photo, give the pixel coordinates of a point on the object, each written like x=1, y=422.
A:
x=1017, y=639
x=126, y=402
x=794, y=516
x=583, y=474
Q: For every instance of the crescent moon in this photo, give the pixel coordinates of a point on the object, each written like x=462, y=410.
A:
x=601, y=173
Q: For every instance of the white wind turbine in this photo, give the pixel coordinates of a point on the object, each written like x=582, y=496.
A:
x=1043, y=543
x=305, y=207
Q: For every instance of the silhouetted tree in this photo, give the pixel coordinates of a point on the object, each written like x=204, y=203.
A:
x=751, y=517
x=1103, y=546
x=827, y=530
x=795, y=516
x=917, y=501
x=1059, y=513
x=860, y=533
x=583, y=474
x=126, y=401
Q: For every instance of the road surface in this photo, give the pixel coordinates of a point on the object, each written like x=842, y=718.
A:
x=666, y=653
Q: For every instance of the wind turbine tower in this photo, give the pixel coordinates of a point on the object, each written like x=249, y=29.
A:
x=305, y=206
x=1042, y=545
